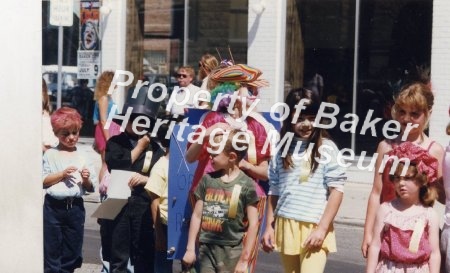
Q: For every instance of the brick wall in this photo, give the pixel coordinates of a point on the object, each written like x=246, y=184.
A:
x=440, y=70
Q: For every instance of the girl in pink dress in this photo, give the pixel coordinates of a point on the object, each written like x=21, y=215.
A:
x=412, y=109
x=406, y=231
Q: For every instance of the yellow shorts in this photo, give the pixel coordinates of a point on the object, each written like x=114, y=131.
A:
x=291, y=234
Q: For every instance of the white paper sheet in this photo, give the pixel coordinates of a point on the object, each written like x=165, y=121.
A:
x=118, y=185
x=118, y=193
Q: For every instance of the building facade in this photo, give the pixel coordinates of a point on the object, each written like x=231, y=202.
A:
x=357, y=53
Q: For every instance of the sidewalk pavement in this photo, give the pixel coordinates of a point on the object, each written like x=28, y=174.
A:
x=352, y=211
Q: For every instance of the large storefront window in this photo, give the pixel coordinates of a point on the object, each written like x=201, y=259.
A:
x=159, y=36
x=212, y=26
x=394, y=38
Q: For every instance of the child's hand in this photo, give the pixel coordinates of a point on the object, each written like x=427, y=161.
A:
x=268, y=239
x=315, y=239
x=85, y=174
x=68, y=171
x=137, y=179
x=189, y=258
x=143, y=142
x=241, y=267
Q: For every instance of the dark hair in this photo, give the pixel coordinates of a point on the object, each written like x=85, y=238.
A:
x=318, y=134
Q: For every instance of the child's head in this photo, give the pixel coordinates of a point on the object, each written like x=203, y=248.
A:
x=413, y=182
x=228, y=149
x=66, y=123
x=422, y=169
x=103, y=84
x=413, y=104
x=300, y=122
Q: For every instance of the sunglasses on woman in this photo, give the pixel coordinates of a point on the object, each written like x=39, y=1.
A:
x=182, y=76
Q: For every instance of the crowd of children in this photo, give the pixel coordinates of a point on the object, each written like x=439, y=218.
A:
x=304, y=187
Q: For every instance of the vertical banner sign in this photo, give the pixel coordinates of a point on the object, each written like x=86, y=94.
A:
x=89, y=50
x=181, y=174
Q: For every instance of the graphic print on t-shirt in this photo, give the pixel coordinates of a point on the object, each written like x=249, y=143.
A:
x=215, y=209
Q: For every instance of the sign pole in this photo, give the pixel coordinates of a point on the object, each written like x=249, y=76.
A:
x=60, y=51
x=61, y=14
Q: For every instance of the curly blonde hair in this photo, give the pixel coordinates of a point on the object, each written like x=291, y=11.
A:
x=103, y=83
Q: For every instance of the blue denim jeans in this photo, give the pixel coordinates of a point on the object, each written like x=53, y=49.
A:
x=63, y=234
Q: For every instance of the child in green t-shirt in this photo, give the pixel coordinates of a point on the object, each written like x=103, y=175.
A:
x=224, y=210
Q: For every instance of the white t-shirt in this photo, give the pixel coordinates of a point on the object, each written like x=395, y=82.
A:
x=175, y=106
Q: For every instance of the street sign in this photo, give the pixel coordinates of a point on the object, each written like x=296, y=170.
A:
x=88, y=64
x=61, y=13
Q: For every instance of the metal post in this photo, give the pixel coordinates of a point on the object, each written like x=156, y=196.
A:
x=186, y=32
x=355, y=69
x=60, y=52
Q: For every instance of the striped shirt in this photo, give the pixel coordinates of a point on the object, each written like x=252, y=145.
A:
x=305, y=199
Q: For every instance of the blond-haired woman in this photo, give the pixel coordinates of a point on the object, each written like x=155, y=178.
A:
x=206, y=64
x=102, y=108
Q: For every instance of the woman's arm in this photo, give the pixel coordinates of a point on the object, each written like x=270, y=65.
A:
x=435, y=257
x=255, y=171
x=374, y=249
x=316, y=238
x=195, y=148
x=374, y=198
x=193, y=152
x=103, y=110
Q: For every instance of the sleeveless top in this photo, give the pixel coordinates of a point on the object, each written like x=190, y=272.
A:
x=396, y=237
x=388, y=190
x=96, y=114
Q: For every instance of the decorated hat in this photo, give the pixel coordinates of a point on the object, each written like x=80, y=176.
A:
x=239, y=73
x=424, y=162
